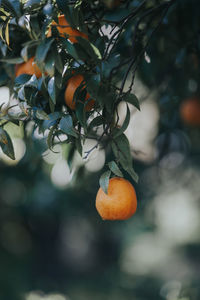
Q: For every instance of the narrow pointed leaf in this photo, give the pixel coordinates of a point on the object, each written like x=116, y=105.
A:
x=52, y=89
x=132, y=99
x=104, y=181
x=6, y=144
x=124, y=126
x=114, y=168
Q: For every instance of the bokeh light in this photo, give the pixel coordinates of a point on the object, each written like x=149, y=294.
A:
x=60, y=174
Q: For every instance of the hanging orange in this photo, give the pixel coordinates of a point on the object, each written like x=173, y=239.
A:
x=64, y=29
x=72, y=84
x=120, y=203
x=190, y=111
x=29, y=67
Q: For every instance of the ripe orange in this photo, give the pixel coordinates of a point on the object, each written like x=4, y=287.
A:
x=72, y=84
x=190, y=111
x=120, y=203
x=65, y=29
x=29, y=68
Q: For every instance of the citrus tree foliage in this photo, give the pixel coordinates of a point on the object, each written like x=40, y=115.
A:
x=104, y=60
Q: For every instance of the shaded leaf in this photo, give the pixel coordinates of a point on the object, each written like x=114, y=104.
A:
x=116, y=131
x=91, y=50
x=114, y=168
x=66, y=125
x=31, y=3
x=70, y=49
x=64, y=7
x=132, y=99
x=133, y=174
x=41, y=114
x=16, y=60
x=121, y=150
x=96, y=122
x=79, y=146
x=13, y=6
x=104, y=181
x=6, y=144
x=52, y=118
x=50, y=136
x=43, y=49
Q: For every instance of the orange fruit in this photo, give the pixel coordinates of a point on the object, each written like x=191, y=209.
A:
x=72, y=84
x=64, y=29
x=190, y=111
x=29, y=67
x=112, y=3
x=120, y=203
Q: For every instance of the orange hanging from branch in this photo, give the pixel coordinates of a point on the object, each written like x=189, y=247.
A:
x=120, y=203
x=72, y=85
x=64, y=29
x=29, y=67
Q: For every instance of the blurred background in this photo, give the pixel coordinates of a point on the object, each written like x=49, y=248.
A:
x=54, y=245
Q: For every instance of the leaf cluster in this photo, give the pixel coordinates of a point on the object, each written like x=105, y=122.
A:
x=24, y=28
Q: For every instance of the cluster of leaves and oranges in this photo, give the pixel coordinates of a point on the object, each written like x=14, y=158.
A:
x=64, y=69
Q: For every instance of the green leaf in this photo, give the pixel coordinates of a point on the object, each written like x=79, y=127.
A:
x=50, y=64
x=52, y=118
x=42, y=50
x=24, y=53
x=13, y=6
x=59, y=64
x=80, y=113
x=52, y=89
x=50, y=136
x=22, y=79
x=121, y=150
x=6, y=144
x=70, y=155
x=66, y=125
x=116, y=131
x=133, y=174
x=114, y=168
x=7, y=34
x=32, y=82
x=104, y=181
x=41, y=114
x=31, y=3
x=93, y=85
x=79, y=146
x=14, y=61
x=96, y=122
x=65, y=8
x=81, y=52
x=70, y=49
x=132, y=99
x=91, y=50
